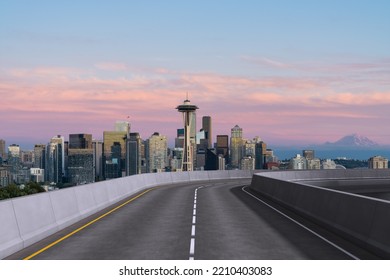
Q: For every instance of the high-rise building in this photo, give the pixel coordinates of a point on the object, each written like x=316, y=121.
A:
x=133, y=154
x=176, y=158
x=14, y=160
x=189, y=120
x=201, y=147
x=200, y=159
x=122, y=126
x=81, y=169
x=212, y=160
x=39, y=156
x=80, y=141
x=260, y=158
x=201, y=139
x=156, y=153
x=206, y=126
x=223, y=146
x=55, y=160
x=114, y=153
x=97, y=146
x=249, y=148
x=5, y=175
x=14, y=151
x=143, y=157
x=179, y=140
x=3, y=153
x=66, y=151
x=221, y=162
x=60, y=140
x=27, y=158
x=113, y=167
x=236, y=146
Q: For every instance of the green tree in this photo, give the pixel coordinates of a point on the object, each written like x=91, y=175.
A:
x=34, y=187
x=14, y=191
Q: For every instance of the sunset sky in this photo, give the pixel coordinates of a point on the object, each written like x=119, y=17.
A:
x=287, y=71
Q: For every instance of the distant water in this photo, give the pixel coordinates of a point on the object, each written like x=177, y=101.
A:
x=332, y=153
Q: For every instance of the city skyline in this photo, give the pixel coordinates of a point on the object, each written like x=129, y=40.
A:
x=291, y=73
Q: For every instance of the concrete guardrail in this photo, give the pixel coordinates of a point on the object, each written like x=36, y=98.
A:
x=361, y=219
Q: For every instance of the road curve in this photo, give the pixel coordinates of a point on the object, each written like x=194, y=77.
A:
x=198, y=220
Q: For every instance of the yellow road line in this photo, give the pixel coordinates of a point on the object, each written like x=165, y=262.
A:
x=86, y=225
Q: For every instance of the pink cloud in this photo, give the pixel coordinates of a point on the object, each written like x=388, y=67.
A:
x=111, y=66
x=64, y=100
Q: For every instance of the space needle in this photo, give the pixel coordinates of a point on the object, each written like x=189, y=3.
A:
x=189, y=119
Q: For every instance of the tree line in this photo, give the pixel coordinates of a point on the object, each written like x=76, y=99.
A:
x=13, y=190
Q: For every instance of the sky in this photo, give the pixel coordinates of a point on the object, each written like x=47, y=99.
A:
x=291, y=72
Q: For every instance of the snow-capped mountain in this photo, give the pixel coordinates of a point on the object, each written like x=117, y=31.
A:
x=354, y=140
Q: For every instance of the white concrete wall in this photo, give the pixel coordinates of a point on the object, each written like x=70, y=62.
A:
x=26, y=220
x=35, y=217
x=10, y=239
x=363, y=220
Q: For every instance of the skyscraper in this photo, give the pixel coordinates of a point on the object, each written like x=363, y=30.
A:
x=14, y=161
x=3, y=153
x=97, y=146
x=81, y=169
x=114, y=153
x=223, y=146
x=261, y=149
x=14, y=151
x=40, y=156
x=133, y=154
x=80, y=141
x=236, y=146
x=5, y=176
x=156, y=153
x=179, y=140
x=206, y=126
x=189, y=120
x=122, y=126
x=55, y=159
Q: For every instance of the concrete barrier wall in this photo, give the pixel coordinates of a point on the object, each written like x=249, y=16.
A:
x=360, y=219
x=10, y=239
x=26, y=220
x=65, y=207
x=294, y=175
x=35, y=217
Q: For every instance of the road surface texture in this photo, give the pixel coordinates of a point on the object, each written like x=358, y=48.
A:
x=199, y=220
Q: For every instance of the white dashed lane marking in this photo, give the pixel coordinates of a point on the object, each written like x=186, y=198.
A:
x=193, y=227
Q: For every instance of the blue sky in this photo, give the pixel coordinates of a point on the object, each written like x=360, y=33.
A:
x=241, y=61
x=67, y=32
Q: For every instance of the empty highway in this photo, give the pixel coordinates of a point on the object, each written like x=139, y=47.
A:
x=201, y=221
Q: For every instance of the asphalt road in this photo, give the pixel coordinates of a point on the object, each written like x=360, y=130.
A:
x=201, y=220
